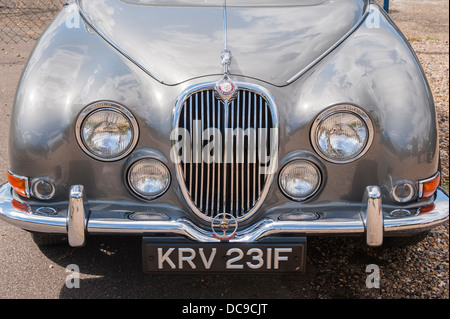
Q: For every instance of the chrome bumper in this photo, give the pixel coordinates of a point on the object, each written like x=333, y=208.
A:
x=77, y=221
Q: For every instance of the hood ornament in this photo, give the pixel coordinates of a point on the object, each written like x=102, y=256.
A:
x=226, y=60
x=225, y=87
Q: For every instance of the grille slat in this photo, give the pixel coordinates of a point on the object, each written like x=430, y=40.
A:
x=208, y=166
x=200, y=165
x=191, y=123
x=233, y=181
x=242, y=156
x=196, y=160
x=213, y=165
x=255, y=118
x=248, y=153
x=225, y=158
x=238, y=141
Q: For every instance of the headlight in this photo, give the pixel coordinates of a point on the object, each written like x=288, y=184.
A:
x=107, y=131
x=342, y=134
x=299, y=179
x=148, y=178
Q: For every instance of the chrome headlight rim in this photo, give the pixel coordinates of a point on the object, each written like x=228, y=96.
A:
x=316, y=189
x=106, y=106
x=136, y=192
x=336, y=109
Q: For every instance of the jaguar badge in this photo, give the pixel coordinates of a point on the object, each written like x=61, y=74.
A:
x=224, y=227
x=226, y=88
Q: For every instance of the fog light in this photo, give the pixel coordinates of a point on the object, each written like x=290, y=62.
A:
x=403, y=192
x=42, y=189
x=149, y=178
x=299, y=179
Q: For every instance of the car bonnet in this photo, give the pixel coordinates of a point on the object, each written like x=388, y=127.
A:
x=177, y=41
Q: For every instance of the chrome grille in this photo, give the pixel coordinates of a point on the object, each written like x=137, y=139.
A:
x=235, y=181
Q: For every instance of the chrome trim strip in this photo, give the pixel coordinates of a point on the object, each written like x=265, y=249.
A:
x=196, y=153
x=242, y=153
x=191, y=163
x=214, y=166
x=185, y=155
x=260, y=125
x=226, y=56
x=240, y=161
x=218, y=163
x=201, y=155
x=225, y=24
x=338, y=43
x=254, y=153
x=115, y=45
x=248, y=153
x=76, y=217
x=208, y=173
x=225, y=124
x=232, y=209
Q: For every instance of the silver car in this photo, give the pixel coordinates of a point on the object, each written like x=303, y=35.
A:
x=224, y=133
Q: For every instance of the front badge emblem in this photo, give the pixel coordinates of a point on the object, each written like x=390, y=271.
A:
x=224, y=227
x=226, y=88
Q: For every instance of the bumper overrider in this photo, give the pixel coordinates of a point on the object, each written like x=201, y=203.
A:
x=77, y=220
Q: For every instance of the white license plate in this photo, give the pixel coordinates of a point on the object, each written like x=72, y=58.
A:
x=171, y=255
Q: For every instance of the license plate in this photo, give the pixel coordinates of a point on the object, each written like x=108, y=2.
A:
x=173, y=255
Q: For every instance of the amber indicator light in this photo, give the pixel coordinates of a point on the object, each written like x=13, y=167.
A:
x=19, y=183
x=430, y=186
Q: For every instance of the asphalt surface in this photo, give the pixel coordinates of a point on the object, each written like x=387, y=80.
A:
x=110, y=267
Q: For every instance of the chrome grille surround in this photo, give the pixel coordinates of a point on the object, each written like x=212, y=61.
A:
x=239, y=194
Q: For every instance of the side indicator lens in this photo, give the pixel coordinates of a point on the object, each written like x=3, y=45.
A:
x=19, y=183
x=20, y=206
x=429, y=186
x=426, y=209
